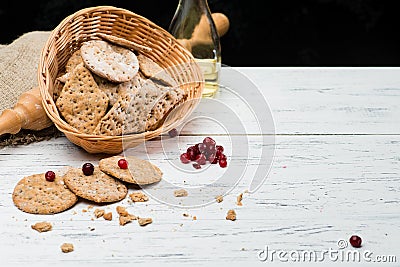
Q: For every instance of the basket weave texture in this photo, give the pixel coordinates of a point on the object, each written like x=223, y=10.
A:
x=84, y=25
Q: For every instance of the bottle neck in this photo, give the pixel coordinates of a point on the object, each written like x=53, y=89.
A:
x=190, y=3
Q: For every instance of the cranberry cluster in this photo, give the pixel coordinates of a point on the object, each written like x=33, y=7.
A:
x=200, y=153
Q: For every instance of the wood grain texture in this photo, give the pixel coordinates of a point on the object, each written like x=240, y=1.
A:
x=328, y=181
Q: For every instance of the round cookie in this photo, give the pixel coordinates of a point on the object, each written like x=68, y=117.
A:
x=141, y=172
x=33, y=194
x=98, y=187
x=115, y=63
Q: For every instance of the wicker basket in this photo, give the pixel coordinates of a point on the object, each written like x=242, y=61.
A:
x=83, y=25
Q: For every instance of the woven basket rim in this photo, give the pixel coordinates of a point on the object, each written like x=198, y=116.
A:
x=43, y=71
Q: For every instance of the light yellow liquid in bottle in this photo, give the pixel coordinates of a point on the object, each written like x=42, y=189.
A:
x=211, y=69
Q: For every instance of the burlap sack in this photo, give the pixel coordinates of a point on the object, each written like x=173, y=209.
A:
x=18, y=73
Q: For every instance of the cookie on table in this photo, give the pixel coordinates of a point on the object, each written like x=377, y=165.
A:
x=81, y=102
x=113, y=62
x=34, y=194
x=139, y=171
x=151, y=69
x=98, y=187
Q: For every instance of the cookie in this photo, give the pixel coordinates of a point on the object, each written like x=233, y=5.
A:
x=130, y=113
x=74, y=60
x=33, y=194
x=115, y=90
x=139, y=171
x=81, y=102
x=124, y=42
x=151, y=69
x=98, y=187
x=173, y=96
x=115, y=63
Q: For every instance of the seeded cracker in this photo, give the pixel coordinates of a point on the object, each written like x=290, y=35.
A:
x=123, y=42
x=115, y=63
x=139, y=171
x=129, y=114
x=98, y=187
x=151, y=69
x=33, y=194
x=81, y=102
x=172, y=97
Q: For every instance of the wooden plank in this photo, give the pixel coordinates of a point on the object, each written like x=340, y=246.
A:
x=320, y=189
x=303, y=101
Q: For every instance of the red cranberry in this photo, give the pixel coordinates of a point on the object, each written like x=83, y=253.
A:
x=355, y=241
x=208, y=141
x=88, y=169
x=50, y=176
x=219, y=149
x=196, y=166
x=214, y=160
x=223, y=163
x=201, y=147
x=201, y=159
x=185, y=158
x=173, y=133
x=192, y=152
x=222, y=157
x=123, y=164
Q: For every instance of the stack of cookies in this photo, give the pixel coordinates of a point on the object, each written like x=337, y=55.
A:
x=110, y=88
x=50, y=193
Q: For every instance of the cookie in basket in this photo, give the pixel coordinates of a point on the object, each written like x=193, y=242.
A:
x=98, y=187
x=115, y=90
x=138, y=171
x=34, y=194
x=81, y=102
x=124, y=42
x=151, y=69
x=129, y=114
x=115, y=63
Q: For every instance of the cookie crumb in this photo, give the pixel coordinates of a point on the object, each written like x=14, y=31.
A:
x=126, y=219
x=138, y=197
x=98, y=213
x=144, y=221
x=67, y=247
x=84, y=210
x=219, y=198
x=231, y=215
x=122, y=211
x=180, y=193
x=194, y=218
x=185, y=215
x=239, y=200
x=108, y=216
x=42, y=227
x=90, y=207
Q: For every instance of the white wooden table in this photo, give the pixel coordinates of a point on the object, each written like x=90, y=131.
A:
x=336, y=172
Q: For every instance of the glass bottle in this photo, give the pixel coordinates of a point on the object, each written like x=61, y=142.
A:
x=194, y=28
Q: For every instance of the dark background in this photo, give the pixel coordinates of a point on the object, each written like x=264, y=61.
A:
x=262, y=33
